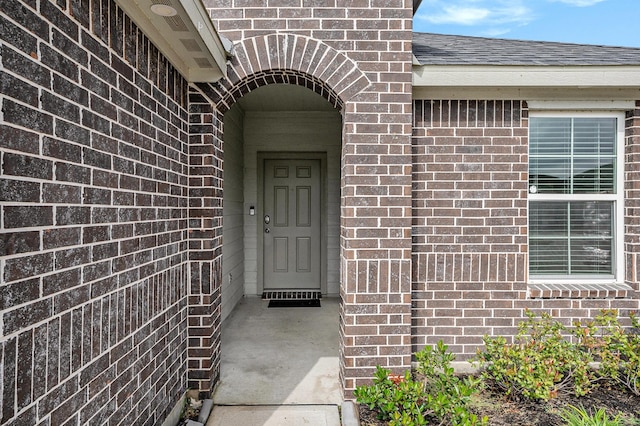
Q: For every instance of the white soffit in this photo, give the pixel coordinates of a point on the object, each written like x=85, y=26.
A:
x=613, y=105
x=188, y=38
x=526, y=82
x=525, y=76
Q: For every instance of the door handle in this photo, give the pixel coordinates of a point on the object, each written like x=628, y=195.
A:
x=267, y=219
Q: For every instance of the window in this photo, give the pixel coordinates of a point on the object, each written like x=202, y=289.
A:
x=575, y=196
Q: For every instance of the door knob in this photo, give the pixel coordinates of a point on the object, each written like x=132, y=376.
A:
x=267, y=230
x=267, y=219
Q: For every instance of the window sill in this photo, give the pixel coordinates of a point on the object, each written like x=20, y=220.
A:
x=580, y=291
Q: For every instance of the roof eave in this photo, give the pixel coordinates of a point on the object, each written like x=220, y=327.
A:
x=204, y=60
x=524, y=75
x=526, y=82
x=416, y=5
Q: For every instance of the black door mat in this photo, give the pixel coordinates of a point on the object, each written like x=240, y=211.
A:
x=309, y=303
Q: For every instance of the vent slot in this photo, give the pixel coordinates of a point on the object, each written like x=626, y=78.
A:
x=202, y=62
x=291, y=295
x=191, y=45
x=176, y=23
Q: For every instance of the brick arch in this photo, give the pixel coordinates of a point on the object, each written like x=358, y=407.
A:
x=287, y=59
x=257, y=62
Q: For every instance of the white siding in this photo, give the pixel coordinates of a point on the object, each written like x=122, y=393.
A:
x=233, y=213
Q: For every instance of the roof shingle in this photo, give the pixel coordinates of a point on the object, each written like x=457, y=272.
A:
x=440, y=49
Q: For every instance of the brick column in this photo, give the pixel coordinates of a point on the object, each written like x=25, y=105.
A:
x=205, y=243
x=376, y=238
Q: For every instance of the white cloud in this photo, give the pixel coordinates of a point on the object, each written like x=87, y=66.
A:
x=476, y=12
x=495, y=32
x=459, y=15
x=579, y=3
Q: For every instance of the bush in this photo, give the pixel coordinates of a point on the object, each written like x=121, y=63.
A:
x=546, y=359
x=442, y=395
x=394, y=396
x=450, y=394
x=616, y=348
x=540, y=363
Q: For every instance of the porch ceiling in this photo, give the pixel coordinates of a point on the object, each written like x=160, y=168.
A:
x=284, y=97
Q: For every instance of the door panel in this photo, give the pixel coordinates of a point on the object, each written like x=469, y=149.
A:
x=280, y=206
x=280, y=263
x=303, y=254
x=303, y=208
x=291, y=224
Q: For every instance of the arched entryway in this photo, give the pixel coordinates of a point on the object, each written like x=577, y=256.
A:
x=373, y=255
x=282, y=146
x=291, y=130
x=270, y=109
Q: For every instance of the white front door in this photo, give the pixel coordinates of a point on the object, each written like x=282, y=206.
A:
x=291, y=224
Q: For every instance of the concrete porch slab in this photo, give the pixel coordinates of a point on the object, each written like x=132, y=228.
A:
x=280, y=356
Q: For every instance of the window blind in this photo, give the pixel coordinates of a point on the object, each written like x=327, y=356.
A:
x=576, y=157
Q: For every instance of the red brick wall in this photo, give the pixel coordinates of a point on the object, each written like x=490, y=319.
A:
x=94, y=265
x=469, y=276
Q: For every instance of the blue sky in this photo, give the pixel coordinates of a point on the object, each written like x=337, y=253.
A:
x=607, y=22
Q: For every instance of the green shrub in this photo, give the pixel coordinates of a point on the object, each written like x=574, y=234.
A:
x=540, y=363
x=617, y=348
x=391, y=396
x=450, y=394
x=405, y=402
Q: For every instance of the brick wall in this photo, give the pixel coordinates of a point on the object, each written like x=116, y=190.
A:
x=469, y=225
x=94, y=265
x=357, y=55
x=632, y=197
x=470, y=172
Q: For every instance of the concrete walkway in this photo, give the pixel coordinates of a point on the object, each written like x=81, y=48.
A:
x=279, y=366
x=284, y=415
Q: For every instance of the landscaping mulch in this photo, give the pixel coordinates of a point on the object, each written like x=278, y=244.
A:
x=504, y=412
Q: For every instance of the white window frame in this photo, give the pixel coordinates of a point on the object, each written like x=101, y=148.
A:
x=617, y=198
